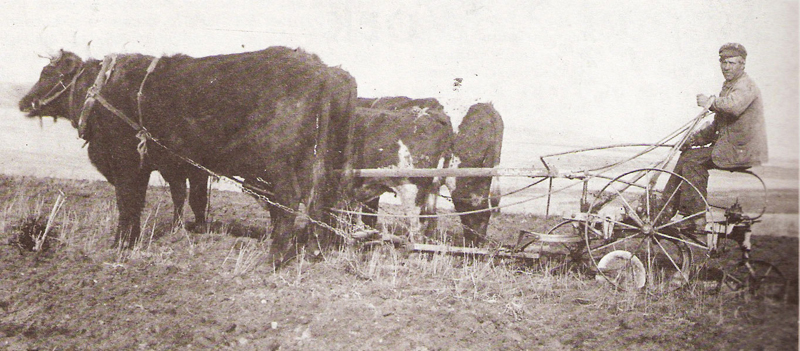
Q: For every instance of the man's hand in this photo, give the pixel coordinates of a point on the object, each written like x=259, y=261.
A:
x=688, y=144
x=701, y=135
x=705, y=101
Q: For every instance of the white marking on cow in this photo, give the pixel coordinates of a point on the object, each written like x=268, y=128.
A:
x=405, y=190
x=420, y=112
x=433, y=196
x=404, y=158
x=439, y=165
x=450, y=182
x=408, y=195
x=408, y=192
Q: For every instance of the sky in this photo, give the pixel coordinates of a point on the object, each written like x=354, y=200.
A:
x=625, y=71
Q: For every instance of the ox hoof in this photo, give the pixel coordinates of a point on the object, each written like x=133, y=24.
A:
x=280, y=254
x=196, y=227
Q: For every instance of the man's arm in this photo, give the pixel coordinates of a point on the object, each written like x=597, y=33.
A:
x=737, y=100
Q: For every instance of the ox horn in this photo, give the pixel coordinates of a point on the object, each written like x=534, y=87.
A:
x=89, y=49
x=49, y=49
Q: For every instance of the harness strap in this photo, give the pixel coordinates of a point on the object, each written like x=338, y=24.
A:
x=141, y=133
x=92, y=93
x=72, y=92
x=117, y=112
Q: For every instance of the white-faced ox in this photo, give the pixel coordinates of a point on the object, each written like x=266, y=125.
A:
x=401, y=132
x=278, y=114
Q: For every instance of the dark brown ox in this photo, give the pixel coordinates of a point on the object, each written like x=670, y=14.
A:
x=400, y=132
x=477, y=144
x=278, y=115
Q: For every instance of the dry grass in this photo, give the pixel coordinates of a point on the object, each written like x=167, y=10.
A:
x=383, y=297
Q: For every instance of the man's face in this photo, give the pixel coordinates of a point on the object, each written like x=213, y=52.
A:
x=732, y=67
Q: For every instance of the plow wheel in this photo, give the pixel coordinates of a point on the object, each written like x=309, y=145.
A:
x=633, y=239
x=758, y=278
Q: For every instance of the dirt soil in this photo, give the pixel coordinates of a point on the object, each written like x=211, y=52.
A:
x=210, y=290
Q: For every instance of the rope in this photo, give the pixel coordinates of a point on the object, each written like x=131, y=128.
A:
x=247, y=189
x=490, y=197
x=141, y=148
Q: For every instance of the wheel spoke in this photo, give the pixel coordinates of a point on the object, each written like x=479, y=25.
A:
x=630, y=208
x=675, y=265
x=679, y=239
x=623, y=224
x=669, y=200
x=692, y=216
x=641, y=244
x=628, y=268
x=765, y=275
x=644, y=220
x=614, y=243
x=647, y=199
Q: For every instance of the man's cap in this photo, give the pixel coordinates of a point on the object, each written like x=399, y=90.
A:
x=732, y=50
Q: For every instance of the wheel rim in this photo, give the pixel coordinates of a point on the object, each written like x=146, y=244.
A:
x=631, y=215
x=569, y=256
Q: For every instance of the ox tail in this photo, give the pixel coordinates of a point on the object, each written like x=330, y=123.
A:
x=335, y=149
x=314, y=203
x=346, y=118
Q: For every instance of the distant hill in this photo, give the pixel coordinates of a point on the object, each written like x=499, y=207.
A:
x=11, y=93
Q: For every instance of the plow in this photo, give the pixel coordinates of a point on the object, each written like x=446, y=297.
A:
x=624, y=232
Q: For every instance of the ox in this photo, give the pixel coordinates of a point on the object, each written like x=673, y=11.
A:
x=477, y=144
x=279, y=115
x=401, y=132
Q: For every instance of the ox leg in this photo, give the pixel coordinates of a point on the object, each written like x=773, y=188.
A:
x=428, y=197
x=475, y=224
x=177, y=189
x=408, y=198
x=176, y=178
x=284, y=234
x=130, y=192
x=368, y=195
x=472, y=194
x=198, y=195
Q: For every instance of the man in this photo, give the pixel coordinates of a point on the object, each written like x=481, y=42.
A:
x=736, y=139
